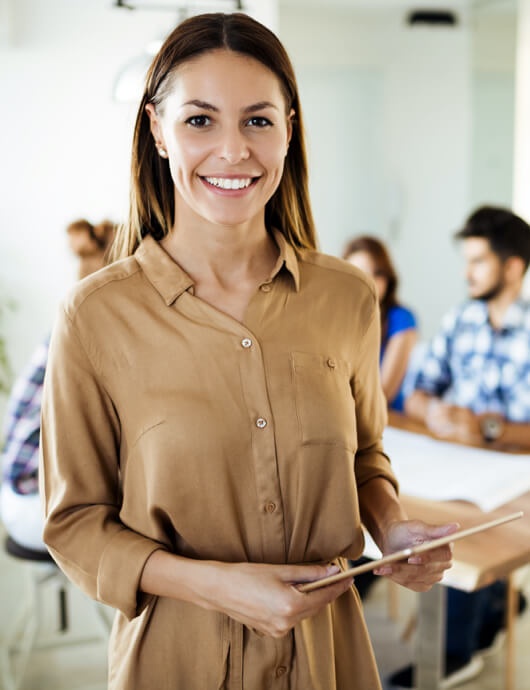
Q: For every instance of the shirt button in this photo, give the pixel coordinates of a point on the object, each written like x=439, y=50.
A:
x=246, y=342
x=281, y=671
x=331, y=363
x=261, y=423
x=270, y=507
x=266, y=287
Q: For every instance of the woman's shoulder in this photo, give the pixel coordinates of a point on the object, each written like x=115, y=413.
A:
x=400, y=318
x=332, y=269
x=101, y=284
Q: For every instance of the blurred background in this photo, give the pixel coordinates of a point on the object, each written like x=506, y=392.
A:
x=412, y=121
x=410, y=125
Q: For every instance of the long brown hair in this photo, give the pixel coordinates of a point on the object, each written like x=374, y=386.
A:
x=152, y=200
x=383, y=267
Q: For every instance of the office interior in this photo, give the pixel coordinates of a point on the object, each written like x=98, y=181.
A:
x=409, y=127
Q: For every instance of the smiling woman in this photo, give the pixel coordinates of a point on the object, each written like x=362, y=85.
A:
x=213, y=396
x=273, y=109
x=227, y=156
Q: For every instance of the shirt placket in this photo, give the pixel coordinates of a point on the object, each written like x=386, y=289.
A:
x=269, y=504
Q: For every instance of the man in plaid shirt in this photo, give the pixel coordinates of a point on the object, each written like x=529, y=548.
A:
x=474, y=386
x=474, y=383
x=20, y=456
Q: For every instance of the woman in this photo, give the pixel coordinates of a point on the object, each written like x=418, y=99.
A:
x=398, y=324
x=199, y=443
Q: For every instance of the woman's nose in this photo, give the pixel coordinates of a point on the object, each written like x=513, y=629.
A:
x=233, y=146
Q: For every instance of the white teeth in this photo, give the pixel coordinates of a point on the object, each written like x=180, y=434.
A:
x=229, y=183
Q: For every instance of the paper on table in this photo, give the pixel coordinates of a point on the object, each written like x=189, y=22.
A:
x=442, y=471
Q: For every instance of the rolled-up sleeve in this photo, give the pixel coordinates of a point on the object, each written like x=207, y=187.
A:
x=79, y=478
x=370, y=406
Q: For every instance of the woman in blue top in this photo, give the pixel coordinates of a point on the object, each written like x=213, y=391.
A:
x=398, y=324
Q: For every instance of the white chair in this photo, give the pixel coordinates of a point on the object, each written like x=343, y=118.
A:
x=25, y=633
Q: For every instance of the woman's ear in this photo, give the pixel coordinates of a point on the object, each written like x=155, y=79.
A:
x=156, y=130
x=290, y=119
x=154, y=123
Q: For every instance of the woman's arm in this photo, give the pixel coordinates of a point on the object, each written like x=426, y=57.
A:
x=380, y=509
x=260, y=596
x=395, y=361
x=385, y=519
x=79, y=477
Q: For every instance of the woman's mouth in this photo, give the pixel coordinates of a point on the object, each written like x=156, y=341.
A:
x=230, y=182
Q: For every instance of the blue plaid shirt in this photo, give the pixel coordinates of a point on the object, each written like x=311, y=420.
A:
x=470, y=364
x=20, y=457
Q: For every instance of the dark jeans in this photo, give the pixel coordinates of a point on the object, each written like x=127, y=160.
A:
x=470, y=614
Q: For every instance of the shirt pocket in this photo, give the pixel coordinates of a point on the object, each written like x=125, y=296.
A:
x=325, y=406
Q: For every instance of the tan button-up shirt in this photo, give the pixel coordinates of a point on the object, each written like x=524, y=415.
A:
x=168, y=424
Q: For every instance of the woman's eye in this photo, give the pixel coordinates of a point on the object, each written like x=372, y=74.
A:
x=259, y=122
x=198, y=121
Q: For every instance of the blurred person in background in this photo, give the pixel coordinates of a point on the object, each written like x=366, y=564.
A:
x=20, y=506
x=398, y=338
x=473, y=386
x=399, y=330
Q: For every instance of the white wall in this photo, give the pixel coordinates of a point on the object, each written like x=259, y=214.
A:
x=522, y=154
x=65, y=143
x=493, y=109
x=409, y=129
x=388, y=109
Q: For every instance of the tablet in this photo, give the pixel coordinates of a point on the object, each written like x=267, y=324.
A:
x=407, y=553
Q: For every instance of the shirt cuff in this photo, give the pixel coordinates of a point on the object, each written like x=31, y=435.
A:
x=121, y=569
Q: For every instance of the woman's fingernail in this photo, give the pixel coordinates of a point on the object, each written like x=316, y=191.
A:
x=383, y=571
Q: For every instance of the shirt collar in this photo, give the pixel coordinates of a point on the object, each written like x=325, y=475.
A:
x=166, y=276
x=477, y=311
x=170, y=281
x=515, y=316
x=287, y=258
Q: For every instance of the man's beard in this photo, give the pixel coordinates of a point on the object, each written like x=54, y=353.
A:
x=492, y=292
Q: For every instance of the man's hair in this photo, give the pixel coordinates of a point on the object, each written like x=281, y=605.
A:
x=508, y=234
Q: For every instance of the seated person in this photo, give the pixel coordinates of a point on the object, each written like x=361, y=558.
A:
x=473, y=386
x=398, y=324
x=20, y=507
x=398, y=337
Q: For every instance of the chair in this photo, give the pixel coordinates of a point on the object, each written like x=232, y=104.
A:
x=25, y=634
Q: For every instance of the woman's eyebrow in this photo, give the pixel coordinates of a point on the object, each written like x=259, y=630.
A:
x=204, y=105
x=259, y=106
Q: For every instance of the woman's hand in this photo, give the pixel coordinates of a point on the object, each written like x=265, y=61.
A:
x=264, y=597
x=420, y=572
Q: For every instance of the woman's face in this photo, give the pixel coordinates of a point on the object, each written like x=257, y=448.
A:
x=226, y=132
x=366, y=263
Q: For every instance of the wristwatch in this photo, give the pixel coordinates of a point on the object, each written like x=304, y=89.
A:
x=491, y=427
